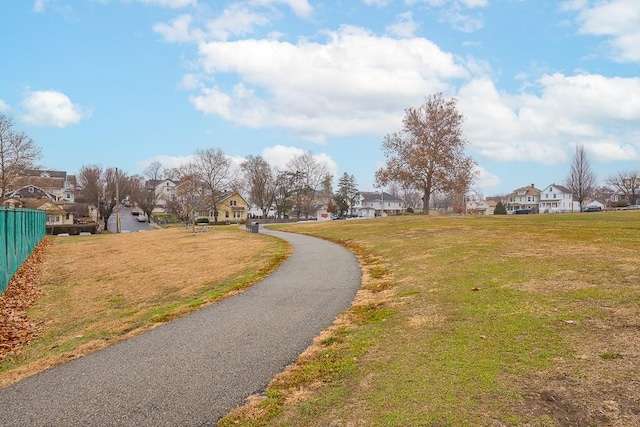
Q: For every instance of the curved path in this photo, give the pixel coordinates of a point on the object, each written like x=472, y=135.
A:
x=194, y=370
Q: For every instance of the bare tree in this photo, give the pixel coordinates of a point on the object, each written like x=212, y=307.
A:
x=214, y=170
x=308, y=176
x=154, y=171
x=427, y=154
x=89, y=184
x=604, y=194
x=261, y=183
x=284, y=193
x=581, y=180
x=189, y=194
x=17, y=153
x=627, y=184
x=103, y=186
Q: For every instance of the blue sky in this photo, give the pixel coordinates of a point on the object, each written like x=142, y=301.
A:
x=122, y=83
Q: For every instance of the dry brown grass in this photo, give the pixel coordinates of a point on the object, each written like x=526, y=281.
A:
x=97, y=290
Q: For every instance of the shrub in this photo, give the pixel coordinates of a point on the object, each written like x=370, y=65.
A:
x=202, y=221
x=500, y=209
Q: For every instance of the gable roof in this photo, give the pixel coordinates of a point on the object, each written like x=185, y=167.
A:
x=376, y=196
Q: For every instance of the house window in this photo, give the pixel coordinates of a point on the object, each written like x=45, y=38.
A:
x=226, y=214
x=30, y=189
x=233, y=203
x=554, y=195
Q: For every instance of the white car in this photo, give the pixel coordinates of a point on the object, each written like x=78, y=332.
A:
x=142, y=218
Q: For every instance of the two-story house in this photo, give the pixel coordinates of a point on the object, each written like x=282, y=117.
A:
x=372, y=204
x=557, y=198
x=165, y=190
x=523, y=198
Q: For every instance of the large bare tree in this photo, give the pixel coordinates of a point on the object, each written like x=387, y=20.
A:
x=628, y=185
x=189, y=194
x=17, y=153
x=308, y=175
x=260, y=183
x=581, y=180
x=154, y=171
x=214, y=169
x=428, y=153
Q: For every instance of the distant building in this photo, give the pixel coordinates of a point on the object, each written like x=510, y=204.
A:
x=523, y=198
x=556, y=199
x=373, y=204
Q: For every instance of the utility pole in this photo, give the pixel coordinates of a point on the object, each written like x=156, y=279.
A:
x=117, y=202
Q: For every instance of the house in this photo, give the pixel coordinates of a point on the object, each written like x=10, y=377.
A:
x=373, y=204
x=58, y=183
x=556, y=199
x=523, y=198
x=165, y=190
x=231, y=206
x=58, y=212
x=482, y=207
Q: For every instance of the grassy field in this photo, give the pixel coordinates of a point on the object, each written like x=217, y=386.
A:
x=97, y=290
x=475, y=321
x=530, y=320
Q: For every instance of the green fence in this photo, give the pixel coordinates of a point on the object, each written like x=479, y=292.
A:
x=20, y=231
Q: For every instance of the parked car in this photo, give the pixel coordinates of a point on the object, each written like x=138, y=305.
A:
x=142, y=218
x=135, y=213
x=522, y=211
x=631, y=207
x=592, y=209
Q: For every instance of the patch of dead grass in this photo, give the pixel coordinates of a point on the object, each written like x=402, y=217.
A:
x=101, y=289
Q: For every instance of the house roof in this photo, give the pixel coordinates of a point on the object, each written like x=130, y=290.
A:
x=45, y=173
x=529, y=190
x=38, y=181
x=375, y=196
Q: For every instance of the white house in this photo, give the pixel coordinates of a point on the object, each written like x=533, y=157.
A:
x=557, y=198
x=372, y=204
x=165, y=190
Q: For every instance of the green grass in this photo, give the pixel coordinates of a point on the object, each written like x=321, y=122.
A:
x=484, y=311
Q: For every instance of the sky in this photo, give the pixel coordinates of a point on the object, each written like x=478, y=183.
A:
x=123, y=83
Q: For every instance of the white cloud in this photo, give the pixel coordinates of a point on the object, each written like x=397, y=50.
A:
x=167, y=162
x=179, y=31
x=171, y=4
x=461, y=21
x=485, y=179
x=619, y=20
x=39, y=6
x=51, y=108
x=344, y=86
x=379, y=3
x=301, y=8
x=404, y=26
x=279, y=156
x=593, y=110
x=236, y=20
x=3, y=106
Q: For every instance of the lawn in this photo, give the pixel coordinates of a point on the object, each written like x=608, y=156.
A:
x=528, y=320
x=475, y=321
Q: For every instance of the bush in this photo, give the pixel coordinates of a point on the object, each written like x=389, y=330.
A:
x=500, y=209
x=202, y=221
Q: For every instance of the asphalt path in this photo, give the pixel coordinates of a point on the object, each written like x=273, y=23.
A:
x=194, y=370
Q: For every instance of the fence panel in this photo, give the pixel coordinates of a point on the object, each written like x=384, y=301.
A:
x=20, y=231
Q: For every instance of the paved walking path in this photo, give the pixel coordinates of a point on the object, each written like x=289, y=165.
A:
x=194, y=370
